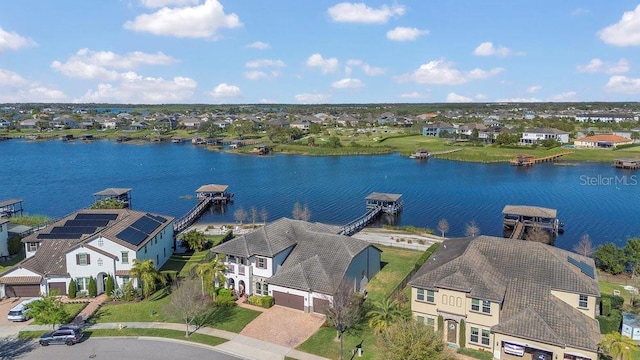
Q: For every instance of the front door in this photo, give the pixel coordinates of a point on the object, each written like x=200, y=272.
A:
x=452, y=332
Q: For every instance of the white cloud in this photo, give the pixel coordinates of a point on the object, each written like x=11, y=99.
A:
x=405, y=33
x=361, y=13
x=366, y=68
x=259, y=45
x=136, y=89
x=519, y=100
x=625, y=32
x=88, y=64
x=312, y=98
x=162, y=3
x=623, y=85
x=441, y=72
x=488, y=49
x=268, y=101
x=598, y=66
x=534, y=89
x=201, y=21
x=226, y=91
x=13, y=41
x=347, y=83
x=264, y=63
x=259, y=75
x=569, y=96
x=455, y=98
x=329, y=65
x=9, y=78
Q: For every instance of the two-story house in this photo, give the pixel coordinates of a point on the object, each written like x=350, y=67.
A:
x=300, y=264
x=436, y=128
x=518, y=299
x=89, y=243
x=538, y=135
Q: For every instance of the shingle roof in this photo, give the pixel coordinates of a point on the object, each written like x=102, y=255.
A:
x=521, y=276
x=319, y=258
x=112, y=192
x=50, y=257
x=530, y=211
x=212, y=188
x=383, y=196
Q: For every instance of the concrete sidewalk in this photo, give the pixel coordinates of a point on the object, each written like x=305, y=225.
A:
x=238, y=345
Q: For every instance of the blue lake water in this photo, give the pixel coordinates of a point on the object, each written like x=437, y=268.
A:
x=57, y=178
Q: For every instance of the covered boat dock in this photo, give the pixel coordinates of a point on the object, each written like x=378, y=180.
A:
x=519, y=217
x=120, y=194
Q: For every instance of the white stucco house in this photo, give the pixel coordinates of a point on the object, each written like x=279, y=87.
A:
x=4, y=237
x=88, y=243
x=300, y=264
x=537, y=135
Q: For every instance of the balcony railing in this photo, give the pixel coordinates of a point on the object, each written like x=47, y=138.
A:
x=241, y=269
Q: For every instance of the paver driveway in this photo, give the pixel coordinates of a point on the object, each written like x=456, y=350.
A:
x=284, y=326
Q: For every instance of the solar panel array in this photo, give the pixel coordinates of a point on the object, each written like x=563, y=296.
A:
x=81, y=224
x=584, y=267
x=141, y=229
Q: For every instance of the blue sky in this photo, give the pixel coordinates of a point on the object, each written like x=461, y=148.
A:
x=305, y=52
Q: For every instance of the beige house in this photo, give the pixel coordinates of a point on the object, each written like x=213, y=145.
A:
x=602, y=141
x=518, y=299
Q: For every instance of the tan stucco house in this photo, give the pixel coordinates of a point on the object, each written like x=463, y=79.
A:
x=518, y=299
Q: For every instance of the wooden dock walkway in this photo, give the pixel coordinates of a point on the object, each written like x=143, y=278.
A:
x=518, y=231
x=445, y=152
x=361, y=222
x=194, y=214
x=529, y=160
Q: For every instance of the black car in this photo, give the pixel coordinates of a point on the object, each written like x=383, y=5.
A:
x=66, y=334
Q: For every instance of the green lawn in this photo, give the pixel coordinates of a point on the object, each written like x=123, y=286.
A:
x=182, y=263
x=9, y=263
x=325, y=344
x=72, y=309
x=397, y=263
x=171, y=334
x=232, y=319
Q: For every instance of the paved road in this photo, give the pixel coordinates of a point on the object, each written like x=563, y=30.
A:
x=111, y=348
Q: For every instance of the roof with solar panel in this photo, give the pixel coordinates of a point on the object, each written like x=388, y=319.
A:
x=126, y=227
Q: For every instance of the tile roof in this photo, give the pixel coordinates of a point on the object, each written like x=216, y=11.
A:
x=16, y=280
x=605, y=138
x=319, y=258
x=50, y=257
x=521, y=276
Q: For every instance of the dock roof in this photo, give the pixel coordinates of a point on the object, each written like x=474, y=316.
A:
x=9, y=202
x=212, y=188
x=112, y=192
x=534, y=211
x=383, y=196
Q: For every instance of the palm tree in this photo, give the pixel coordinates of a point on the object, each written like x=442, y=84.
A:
x=618, y=346
x=148, y=276
x=205, y=272
x=383, y=314
x=212, y=271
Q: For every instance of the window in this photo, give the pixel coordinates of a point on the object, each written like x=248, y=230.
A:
x=420, y=295
x=261, y=263
x=431, y=322
x=125, y=280
x=125, y=257
x=431, y=296
x=100, y=242
x=83, y=259
x=420, y=319
x=444, y=299
x=486, y=306
x=145, y=249
x=100, y=262
x=258, y=288
x=33, y=246
x=475, y=304
x=157, y=259
x=485, y=337
x=265, y=289
x=82, y=284
x=583, y=302
x=474, y=335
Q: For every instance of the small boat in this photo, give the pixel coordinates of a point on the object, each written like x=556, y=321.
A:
x=177, y=140
x=31, y=137
x=420, y=154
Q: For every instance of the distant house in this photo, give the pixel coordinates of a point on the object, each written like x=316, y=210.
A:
x=222, y=124
x=631, y=326
x=112, y=123
x=138, y=125
x=168, y=123
x=28, y=124
x=302, y=124
x=347, y=120
x=386, y=118
x=602, y=141
x=300, y=264
x=518, y=299
x=88, y=243
x=4, y=123
x=436, y=128
x=278, y=123
x=538, y=135
x=606, y=118
x=466, y=130
x=191, y=122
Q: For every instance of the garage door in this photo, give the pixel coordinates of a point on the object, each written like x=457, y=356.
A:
x=59, y=287
x=22, y=290
x=288, y=300
x=320, y=305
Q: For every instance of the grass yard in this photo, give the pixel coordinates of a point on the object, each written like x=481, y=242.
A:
x=397, y=263
x=182, y=263
x=324, y=343
x=171, y=334
x=9, y=263
x=72, y=309
x=608, y=283
x=232, y=319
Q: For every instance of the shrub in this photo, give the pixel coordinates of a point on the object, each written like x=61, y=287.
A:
x=611, y=323
x=93, y=287
x=170, y=275
x=463, y=334
x=109, y=285
x=262, y=301
x=605, y=306
x=15, y=245
x=228, y=236
x=225, y=300
x=72, y=290
x=440, y=323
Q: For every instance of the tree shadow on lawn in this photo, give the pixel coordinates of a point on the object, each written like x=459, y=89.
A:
x=13, y=347
x=218, y=315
